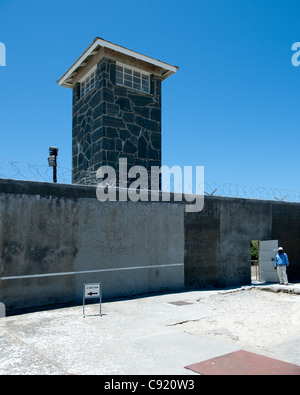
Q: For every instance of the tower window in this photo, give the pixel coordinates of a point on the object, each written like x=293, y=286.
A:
x=88, y=83
x=132, y=78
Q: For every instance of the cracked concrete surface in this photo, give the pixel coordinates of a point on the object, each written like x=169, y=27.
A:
x=150, y=335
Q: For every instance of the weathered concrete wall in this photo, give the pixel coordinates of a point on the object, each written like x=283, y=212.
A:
x=286, y=228
x=217, y=240
x=134, y=248
x=46, y=229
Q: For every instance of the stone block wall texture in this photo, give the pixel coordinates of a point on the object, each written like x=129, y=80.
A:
x=113, y=121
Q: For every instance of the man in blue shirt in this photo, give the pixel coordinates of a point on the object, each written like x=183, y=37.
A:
x=281, y=263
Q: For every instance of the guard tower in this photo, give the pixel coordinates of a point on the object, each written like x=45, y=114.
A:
x=116, y=108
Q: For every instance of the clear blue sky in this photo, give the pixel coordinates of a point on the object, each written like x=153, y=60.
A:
x=233, y=107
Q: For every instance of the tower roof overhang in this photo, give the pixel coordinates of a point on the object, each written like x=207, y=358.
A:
x=84, y=61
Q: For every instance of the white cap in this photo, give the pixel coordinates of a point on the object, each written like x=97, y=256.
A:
x=280, y=249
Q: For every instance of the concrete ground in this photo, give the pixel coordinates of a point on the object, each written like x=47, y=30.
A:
x=141, y=336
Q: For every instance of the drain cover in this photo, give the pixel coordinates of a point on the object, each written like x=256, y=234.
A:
x=244, y=363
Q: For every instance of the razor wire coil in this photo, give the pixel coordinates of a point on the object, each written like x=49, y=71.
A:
x=18, y=170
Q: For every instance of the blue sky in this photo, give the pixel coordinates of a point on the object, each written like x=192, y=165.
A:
x=233, y=106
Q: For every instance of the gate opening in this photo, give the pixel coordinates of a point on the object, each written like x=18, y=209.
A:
x=254, y=250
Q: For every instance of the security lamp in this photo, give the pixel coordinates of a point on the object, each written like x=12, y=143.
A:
x=52, y=160
x=53, y=151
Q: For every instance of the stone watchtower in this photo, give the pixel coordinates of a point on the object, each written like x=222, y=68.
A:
x=116, y=108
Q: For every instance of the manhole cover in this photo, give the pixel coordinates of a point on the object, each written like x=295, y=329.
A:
x=244, y=363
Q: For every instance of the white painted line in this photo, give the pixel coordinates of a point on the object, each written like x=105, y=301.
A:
x=89, y=271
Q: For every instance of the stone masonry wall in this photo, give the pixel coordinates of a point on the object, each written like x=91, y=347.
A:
x=112, y=121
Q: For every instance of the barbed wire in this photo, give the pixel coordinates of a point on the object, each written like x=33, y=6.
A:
x=18, y=170
x=251, y=192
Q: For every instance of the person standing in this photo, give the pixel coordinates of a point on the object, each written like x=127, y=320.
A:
x=281, y=263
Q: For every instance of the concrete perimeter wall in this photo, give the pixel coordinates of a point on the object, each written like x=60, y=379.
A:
x=54, y=238
x=63, y=230
x=217, y=239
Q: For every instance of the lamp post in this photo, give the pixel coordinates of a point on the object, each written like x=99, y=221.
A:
x=52, y=161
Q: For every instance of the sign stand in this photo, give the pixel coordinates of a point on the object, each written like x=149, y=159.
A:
x=92, y=291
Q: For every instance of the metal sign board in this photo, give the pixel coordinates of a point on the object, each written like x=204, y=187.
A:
x=92, y=291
